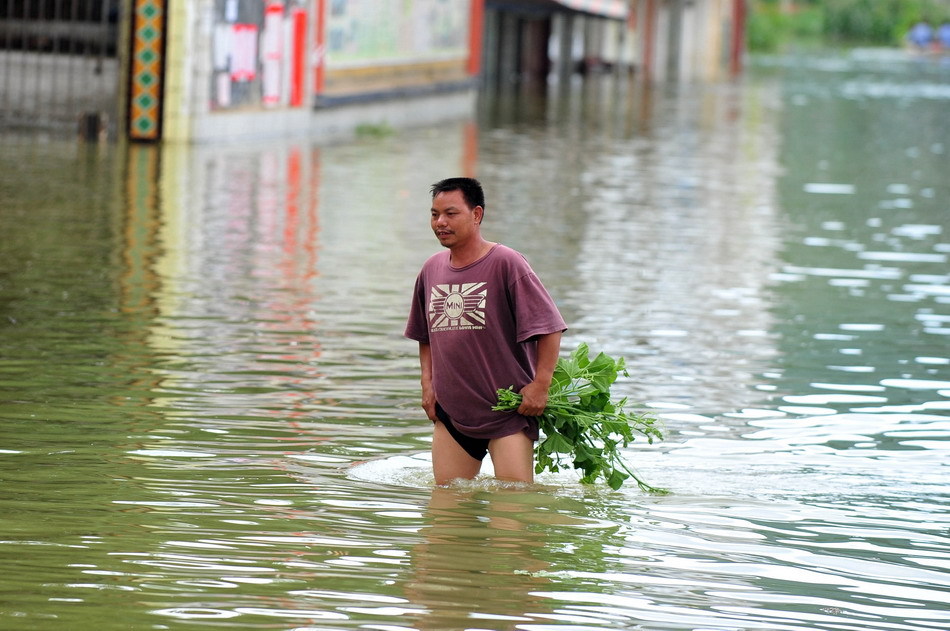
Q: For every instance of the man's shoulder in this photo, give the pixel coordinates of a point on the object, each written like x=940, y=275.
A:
x=509, y=253
x=438, y=259
x=511, y=258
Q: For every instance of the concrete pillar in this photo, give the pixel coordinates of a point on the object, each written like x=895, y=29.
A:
x=509, y=48
x=648, y=26
x=535, y=61
x=564, y=27
x=710, y=55
x=188, y=72
x=615, y=45
x=691, y=42
x=490, y=47
x=593, y=44
x=675, y=40
x=738, y=35
x=147, y=69
x=476, y=16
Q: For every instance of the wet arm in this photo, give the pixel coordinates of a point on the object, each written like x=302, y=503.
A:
x=428, y=394
x=534, y=396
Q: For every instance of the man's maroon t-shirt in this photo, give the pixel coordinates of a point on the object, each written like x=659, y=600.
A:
x=480, y=322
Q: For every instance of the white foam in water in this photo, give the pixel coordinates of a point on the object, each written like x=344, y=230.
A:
x=917, y=231
x=928, y=289
x=780, y=458
x=882, y=273
x=932, y=360
x=171, y=453
x=827, y=188
x=847, y=387
x=414, y=470
x=824, y=399
x=860, y=326
x=915, y=384
x=910, y=257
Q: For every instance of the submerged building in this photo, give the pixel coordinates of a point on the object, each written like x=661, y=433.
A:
x=231, y=70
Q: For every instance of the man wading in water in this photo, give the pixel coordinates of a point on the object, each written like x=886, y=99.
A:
x=483, y=321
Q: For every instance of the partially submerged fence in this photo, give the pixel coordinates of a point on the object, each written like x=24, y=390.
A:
x=58, y=64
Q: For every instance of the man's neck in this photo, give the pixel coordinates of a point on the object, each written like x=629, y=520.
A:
x=469, y=253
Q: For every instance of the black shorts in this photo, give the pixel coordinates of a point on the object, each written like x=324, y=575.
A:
x=475, y=447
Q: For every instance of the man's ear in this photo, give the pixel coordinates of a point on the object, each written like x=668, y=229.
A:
x=479, y=213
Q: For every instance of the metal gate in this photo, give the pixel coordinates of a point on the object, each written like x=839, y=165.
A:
x=59, y=65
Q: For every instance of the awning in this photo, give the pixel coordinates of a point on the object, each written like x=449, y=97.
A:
x=614, y=9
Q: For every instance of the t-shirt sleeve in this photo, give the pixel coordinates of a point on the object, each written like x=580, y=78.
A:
x=535, y=311
x=417, y=327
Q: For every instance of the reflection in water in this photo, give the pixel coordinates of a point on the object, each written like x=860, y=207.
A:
x=663, y=225
x=478, y=560
x=245, y=255
x=678, y=250
x=209, y=416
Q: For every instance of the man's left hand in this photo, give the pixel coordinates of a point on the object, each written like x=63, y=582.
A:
x=534, y=397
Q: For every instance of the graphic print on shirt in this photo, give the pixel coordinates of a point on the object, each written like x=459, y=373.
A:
x=457, y=307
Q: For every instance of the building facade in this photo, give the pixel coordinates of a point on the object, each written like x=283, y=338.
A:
x=234, y=70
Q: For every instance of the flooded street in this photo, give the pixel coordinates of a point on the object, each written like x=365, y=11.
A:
x=209, y=417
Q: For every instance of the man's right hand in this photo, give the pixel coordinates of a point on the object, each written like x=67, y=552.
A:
x=428, y=403
x=428, y=392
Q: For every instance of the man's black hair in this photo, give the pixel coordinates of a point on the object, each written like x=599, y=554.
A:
x=470, y=188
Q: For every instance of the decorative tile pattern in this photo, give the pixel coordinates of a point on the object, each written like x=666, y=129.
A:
x=148, y=70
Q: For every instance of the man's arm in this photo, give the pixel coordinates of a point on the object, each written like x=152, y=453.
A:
x=428, y=394
x=534, y=396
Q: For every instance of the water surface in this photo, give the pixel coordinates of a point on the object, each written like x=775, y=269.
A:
x=209, y=418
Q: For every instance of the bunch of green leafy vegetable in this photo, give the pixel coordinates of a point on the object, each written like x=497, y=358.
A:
x=581, y=424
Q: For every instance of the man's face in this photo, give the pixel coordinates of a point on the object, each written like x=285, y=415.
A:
x=453, y=221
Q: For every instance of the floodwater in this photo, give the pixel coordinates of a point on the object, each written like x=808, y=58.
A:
x=209, y=417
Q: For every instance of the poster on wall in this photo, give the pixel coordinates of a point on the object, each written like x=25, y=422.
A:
x=243, y=52
x=258, y=53
x=364, y=32
x=272, y=48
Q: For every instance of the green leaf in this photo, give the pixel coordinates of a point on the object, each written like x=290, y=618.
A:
x=556, y=443
x=560, y=380
x=603, y=382
x=581, y=356
x=583, y=453
x=604, y=366
x=583, y=425
x=616, y=479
